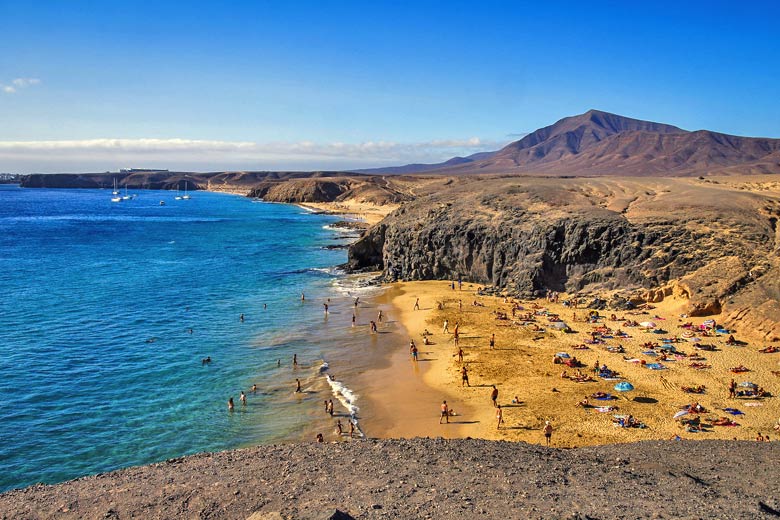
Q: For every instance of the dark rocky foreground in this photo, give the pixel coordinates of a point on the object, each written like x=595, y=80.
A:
x=429, y=478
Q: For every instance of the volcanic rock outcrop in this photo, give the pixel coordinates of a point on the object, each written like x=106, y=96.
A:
x=526, y=235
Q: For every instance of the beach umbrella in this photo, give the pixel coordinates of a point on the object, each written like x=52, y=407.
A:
x=563, y=355
x=624, y=386
x=709, y=323
x=648, y=324
x=559, y=325
x=694, y=340
x=680, y=414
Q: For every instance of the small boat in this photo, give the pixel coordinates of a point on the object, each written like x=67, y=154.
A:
x=115, y=193
x=126, y=196
x=162, y=203
x=178, y=195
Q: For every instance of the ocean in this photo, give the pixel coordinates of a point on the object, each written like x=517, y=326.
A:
x=108, y=309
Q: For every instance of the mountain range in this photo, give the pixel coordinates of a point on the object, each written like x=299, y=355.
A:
x=598, y=143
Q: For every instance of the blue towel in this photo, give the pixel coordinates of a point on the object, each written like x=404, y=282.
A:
x=733, y=411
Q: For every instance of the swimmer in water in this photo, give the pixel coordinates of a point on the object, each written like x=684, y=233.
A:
x=254, y=389
x=243, y=398
x=295, y=360
x=241, y=318
x=298, y=386
x=230, y=404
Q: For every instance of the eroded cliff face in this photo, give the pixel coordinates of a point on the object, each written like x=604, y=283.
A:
x=529, y=235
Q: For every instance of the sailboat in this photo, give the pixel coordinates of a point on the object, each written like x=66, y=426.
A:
x=186, y=195
x=126, y=197
x=178, y=195
x=116, y=197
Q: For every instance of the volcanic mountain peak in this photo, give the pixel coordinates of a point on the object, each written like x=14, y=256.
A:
x=580, y=131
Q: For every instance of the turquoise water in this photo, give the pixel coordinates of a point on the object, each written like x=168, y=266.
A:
x=98, y=368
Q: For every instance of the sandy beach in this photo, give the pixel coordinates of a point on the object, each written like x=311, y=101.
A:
x=365, y=211
x=407, y=394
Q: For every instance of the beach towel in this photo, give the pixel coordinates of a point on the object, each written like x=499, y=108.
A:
x=607, y=397
x=754, y=404
x=612, y=378
x=650, y=353
x=603, y=409
x=634, y=360
x=733, y=411
x=563, y=355
x=655, y=366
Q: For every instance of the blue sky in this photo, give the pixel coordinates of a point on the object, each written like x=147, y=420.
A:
x=301, y=85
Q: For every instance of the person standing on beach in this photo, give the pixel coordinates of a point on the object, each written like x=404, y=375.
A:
x=417, y=304
x=494, y=396
x=353, y=319
x=329, y=409
x=456, y=337
x=492, y=342
x=464, y=375
x=732, y=388
x=320, y=438
x=339, y=428
x=230, y=404
x=379, y=316
x=298, y=386
x=445, y=412
x=243, y=398
x=499, y=417
x=460, y=355
x=446, y=328
x=548, y=429
x=295, y=360
x=351, y=429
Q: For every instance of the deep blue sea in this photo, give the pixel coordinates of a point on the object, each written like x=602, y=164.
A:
x=98, y=367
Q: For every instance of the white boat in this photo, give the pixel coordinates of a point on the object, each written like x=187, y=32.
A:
x=115, y=194
x=126, y=196
x=162, y=203
x=178, y=195
x=186, y=195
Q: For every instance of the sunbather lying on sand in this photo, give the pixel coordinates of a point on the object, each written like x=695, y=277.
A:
x=722, y=421
x=770, y=350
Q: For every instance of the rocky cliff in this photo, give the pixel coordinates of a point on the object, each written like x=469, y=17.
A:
x=719, y=246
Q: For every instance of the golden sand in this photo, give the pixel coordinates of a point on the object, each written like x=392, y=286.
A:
x=521, y=365
x=365, y=211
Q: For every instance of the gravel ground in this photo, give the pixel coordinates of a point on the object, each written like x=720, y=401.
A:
x=428, y=478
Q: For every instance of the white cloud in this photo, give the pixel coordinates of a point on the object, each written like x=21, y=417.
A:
x=26, y=82
x=19, y=83
x=172, y=149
